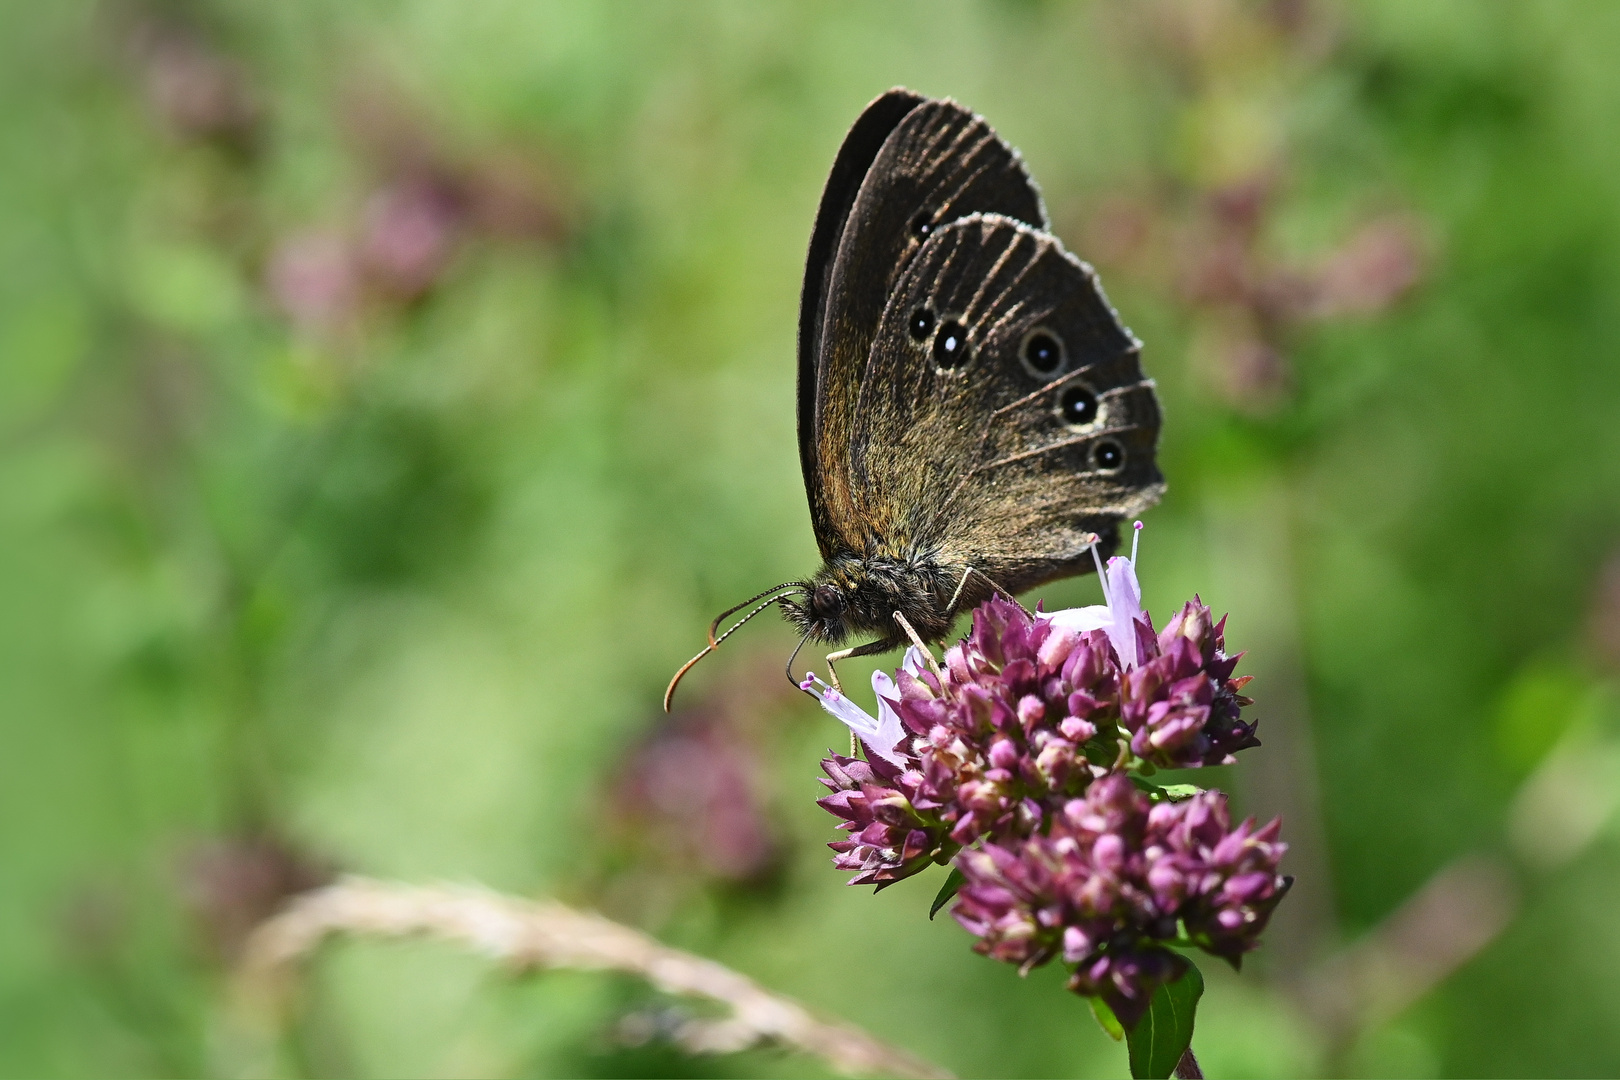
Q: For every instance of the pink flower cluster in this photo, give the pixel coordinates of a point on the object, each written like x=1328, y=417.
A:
x=1116, y=877
x=1015, y=758
x=1181, y=704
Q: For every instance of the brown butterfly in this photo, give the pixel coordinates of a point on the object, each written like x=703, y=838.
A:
x=973, y=417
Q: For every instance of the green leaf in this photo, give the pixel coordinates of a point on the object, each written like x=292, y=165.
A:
x=946, y=891
x=1173, y=792
x=1105, y=1016
x=1163, y=1035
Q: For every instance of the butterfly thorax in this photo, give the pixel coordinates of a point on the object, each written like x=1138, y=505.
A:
x=857, y=594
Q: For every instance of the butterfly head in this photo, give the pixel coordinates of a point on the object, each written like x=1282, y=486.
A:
x=850, y=594
x=826, y=604
x=820, y=609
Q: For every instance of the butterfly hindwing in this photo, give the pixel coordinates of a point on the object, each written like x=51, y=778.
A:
x=937, y=163
x=1003, y=415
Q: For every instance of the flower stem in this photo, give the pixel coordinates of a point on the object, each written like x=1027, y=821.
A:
x=1187, y=1068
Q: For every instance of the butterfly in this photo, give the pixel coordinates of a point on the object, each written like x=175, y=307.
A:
x=972, y=415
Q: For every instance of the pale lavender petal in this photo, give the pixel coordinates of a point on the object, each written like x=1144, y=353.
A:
x=1125, y=606
x=880, y=734
x=883, y=683
x=1079, y=620
x=888, y=735
x=843, y=710
x=883, y=686
x=890, y=730
x=849, y=714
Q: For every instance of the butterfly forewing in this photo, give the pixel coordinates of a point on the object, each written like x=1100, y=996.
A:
x=861, y=145
x=938, y=163
x=1007, y=448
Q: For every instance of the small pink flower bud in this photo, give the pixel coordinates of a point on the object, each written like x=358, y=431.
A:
x=1004, y=754
x=1031, y=711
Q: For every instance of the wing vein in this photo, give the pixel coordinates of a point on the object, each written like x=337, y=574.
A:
x=1047, y=449
x=984, y=282
x=1055, y=383
x=938, y=163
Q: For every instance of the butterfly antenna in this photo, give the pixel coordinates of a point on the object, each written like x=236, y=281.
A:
x=714, y=642
x=718, y=619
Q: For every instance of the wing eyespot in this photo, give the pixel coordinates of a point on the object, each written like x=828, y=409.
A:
x=951, y=348
x=921, y=324
x=1108, y=456
x=1042, y=353
x=922, y=226
x=1077, y=405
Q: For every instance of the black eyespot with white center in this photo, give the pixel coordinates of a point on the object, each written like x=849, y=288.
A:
x=1077, y=405
x=1108, y=455
x=1043, y=353
x=921, y=324
x=922, y=226
x=950, y=344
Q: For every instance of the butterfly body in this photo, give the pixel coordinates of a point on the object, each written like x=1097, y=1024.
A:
x=859, y=594
x=973, y=416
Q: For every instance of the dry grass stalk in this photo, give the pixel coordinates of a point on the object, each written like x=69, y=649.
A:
x=546, y=934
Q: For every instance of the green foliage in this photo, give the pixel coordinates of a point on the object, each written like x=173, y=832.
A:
x=1542, y=702
x=953, y=882
x=1159, y=792
x=1159, y=1039
x=1105, y=1017
x=395, y=589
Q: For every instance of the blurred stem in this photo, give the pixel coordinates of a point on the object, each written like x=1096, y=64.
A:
x=248, y=757
x=1253, y=565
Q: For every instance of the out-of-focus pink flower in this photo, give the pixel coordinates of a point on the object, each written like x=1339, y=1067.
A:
x=690, y=788
x=196, y=91
x=1604, y=624
x=312, y=278
x=234, y=884
x=1375, y=268
x=408, y=233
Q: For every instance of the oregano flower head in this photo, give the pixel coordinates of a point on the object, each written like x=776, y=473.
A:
x=1115, y=881
x=1022, y=757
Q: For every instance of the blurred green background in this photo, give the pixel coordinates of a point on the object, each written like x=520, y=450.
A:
x=390, y=393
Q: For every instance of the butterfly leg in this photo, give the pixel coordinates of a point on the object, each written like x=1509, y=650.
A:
x=950, y=609
x=969, y=572
x=916, y=639
x=871, y=648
